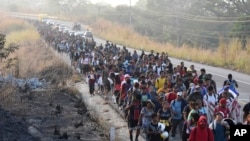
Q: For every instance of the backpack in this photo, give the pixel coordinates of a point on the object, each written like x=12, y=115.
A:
x=213, y=95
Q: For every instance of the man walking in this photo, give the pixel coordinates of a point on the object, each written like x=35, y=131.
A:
x=177, y=107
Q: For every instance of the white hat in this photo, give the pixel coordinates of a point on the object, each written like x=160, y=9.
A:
x=136, y=81
x=179, y=93
x=191, y=85
x=221, y=113
x=127, y=76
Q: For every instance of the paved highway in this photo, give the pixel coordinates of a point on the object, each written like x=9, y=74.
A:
x=219, y=74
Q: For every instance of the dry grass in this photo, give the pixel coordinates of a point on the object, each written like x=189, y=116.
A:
x=33, y=57
x=228, y=54
x=7, y=95
x=22, y=37
x=76, y=77
x=9, y=24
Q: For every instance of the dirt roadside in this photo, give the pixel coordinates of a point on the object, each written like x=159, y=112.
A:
x=48, y=115
x=56, y=113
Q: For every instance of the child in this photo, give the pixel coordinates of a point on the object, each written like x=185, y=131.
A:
x=165, y=116
x=154, y=130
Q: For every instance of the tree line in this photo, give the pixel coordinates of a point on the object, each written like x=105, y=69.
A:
x=198, y=23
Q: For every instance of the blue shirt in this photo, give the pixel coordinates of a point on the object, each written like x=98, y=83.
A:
x=219, y=133
x=176, y=106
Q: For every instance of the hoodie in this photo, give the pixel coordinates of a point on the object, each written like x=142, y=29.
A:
x=201, y=131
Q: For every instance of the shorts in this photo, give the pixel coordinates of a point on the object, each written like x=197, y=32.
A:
x=85, y=68
x=132, y=124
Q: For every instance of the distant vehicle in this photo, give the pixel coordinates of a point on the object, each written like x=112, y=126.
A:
x=71, y=33
x=50, y=22
x=79, y=33
x=77, y=27
x=88, y=34
x=43, y=17
x=61, y=27
x=57, y=25
x=66, y=30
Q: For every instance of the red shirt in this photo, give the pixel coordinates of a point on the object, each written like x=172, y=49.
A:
x=224, y=110
x=117, y=87
x=124, y=88
x=171, y=96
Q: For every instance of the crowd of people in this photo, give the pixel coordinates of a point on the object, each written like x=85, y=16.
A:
x=156, y=97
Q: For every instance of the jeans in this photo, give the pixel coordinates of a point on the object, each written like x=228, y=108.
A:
x=176, y=123
x=91, y=88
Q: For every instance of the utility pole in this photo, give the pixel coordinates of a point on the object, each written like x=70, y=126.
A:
x=130, y=13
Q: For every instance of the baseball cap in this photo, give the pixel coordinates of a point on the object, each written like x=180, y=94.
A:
x=127, y=76
x=223, y=101
x=179, y=93
x=191, y=85
x=220, y=113
x=149, y=101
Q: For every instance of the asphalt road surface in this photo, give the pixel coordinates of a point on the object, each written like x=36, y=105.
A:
x=219, y=74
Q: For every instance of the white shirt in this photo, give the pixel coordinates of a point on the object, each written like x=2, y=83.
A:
x=100, y=82
x=85, y=61
x=211, y=99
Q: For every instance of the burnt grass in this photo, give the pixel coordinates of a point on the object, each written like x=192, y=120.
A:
x=47, y=115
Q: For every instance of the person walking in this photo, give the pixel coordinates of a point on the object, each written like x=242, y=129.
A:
x=219, y=128
x=164, y=115
x=177, y=107
x=145, y=117
x=134, y=109
x=154, y=130
x=231, y=82
x=201, y=131
x=222, y=107
x=159, y=83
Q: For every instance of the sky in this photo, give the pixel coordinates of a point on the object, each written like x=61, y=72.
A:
x=115, y=2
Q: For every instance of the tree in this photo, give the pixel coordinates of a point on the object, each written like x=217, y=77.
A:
x=6, y=51
x=241, y=30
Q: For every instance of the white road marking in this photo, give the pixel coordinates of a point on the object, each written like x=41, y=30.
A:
x=247, y=83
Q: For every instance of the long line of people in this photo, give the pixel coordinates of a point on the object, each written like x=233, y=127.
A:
x=153, y=93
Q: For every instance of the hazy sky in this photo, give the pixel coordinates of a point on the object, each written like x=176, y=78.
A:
x=115, y=2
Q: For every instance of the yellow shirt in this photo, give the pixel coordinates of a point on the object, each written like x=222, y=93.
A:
x=162, y=89
x=159, y=83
